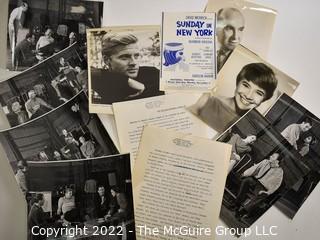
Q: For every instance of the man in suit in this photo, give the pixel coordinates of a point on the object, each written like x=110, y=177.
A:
x=36, y=217
x=24, y=52
x=230, y=26
x=101, y=203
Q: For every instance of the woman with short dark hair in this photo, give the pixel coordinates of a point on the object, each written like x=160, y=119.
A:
x=255, y=83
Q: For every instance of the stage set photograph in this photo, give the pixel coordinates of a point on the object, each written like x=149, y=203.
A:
x=94, y=193
x=301, y=129
x=38, y=29
x=262, y=169
x=67, y=133
x=44, y=87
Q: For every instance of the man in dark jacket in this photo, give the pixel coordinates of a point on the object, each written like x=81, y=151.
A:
x=123, y=79
x=36, y=217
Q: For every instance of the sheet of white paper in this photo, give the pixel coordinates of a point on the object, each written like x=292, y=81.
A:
x=167, y=111
x=178, y=182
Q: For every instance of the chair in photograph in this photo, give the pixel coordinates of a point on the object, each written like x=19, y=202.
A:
x=234, y=179
x=264, y=205
x=243, y=164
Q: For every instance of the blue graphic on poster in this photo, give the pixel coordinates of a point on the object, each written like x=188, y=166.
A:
x=173, y=56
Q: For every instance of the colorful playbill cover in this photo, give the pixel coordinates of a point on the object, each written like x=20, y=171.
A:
x=188, y=51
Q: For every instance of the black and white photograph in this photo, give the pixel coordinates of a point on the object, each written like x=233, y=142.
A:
x=302, y=131
x=262, y=169
x=123, y=65
x=43, y=87
x=38, y=29
x=245, y=82
x=67, y=133
x=240, y=23
x=93, y=194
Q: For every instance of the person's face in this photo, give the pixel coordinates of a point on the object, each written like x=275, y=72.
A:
x=25, y=7
x=48, y=33
x=56, y=153
x=32, y=95
x=125, y=61
x=41, y=202
x=248, y=95
x=230, y=30
x=274, y=160
x=68, y=194
x=75, y=107
x=64, y=132
x=113, y=193
x=101, y=191
x=305, y=126
x=81, y=140
x=274, y=156
x=62, y=60
x=32, y=39
x=78, y=69
x=72, y=35
x=251, y=139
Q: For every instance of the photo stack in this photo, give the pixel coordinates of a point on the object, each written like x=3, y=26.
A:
x=65, y=163
x=207, y=128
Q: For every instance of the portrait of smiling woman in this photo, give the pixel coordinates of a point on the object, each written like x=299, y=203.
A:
x=246, y=81
x=255, y=83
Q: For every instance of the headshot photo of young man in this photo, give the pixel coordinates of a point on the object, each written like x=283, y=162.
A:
x=126, y=68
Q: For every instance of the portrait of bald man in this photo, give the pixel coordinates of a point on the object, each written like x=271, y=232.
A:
x=230, y=27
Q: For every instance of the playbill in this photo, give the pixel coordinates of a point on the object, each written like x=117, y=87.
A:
x=178, y=182
x=246, y=81
x=188, y=51
x=241, y=22
x=124, y=65
x=167, y=111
